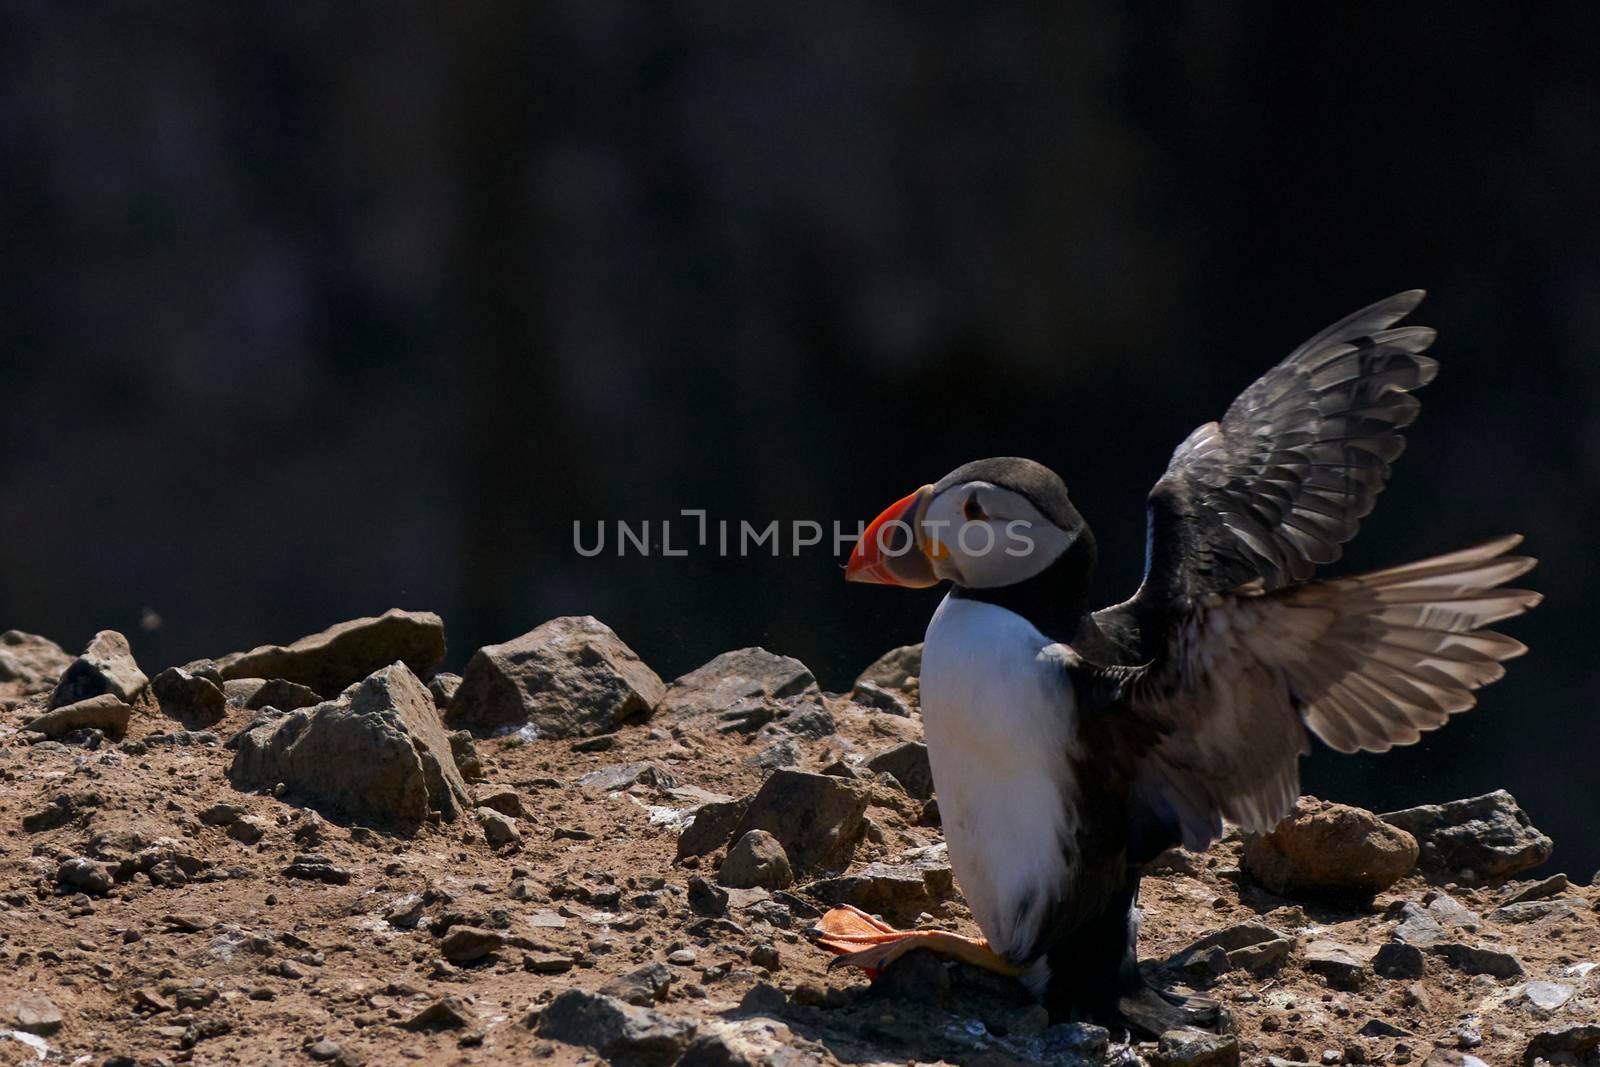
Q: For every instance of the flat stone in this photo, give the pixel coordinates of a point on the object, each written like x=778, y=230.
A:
x=1490, y=837
x=622, y=776
x=466, y=944
x=35, y=1014
x=1188, y=1047
x=1546, y=996
x=106, y=667
x=1478, y=959
x=311, y=867
x=221, y=814
x=1398, y=959
x=448, y=1013
x=816, y=818
x=902, y=889
x=570, y=677
x=1552, y=886
x=711, y=826
x=756, y=861
x=1417, y=927
x=86, y=874
x=642, y=986
x=106, y=713
x=707, y=899
x=871, y=695
x=345, y=653
x=247, y=829
x=376, y=754
x=499, y=829
x=546, y=963
x=1567, y=1044
x=192, y=699
x=1344, y=966
x=620, y=1032
x=282, y=694
x=502, y=798
x=1534, y=910
x=743, y=690
x=30, y=665
x=1331, y=851
x=908, y=762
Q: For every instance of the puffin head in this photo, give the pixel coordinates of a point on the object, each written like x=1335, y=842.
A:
x=986, y=524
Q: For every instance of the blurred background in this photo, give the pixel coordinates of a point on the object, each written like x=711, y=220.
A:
x=312, y=310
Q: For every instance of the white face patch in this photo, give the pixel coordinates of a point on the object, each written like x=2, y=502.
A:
x=981, y=535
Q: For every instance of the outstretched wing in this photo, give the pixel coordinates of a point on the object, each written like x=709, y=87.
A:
x=1364, y=663
x=1284, y=479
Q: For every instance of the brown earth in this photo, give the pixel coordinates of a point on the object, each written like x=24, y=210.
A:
x=214, y=955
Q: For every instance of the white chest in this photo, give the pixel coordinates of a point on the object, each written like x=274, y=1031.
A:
x=1000, y=722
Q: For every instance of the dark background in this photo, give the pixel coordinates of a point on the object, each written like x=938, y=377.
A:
x=307, y=311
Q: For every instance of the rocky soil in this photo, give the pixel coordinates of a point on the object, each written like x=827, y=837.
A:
x=328, y=852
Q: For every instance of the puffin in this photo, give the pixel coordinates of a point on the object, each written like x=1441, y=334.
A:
x=1071, y=746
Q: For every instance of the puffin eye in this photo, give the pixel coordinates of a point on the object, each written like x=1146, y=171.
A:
x=973, y=511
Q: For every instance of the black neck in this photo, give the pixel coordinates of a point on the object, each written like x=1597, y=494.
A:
x=1056, y=600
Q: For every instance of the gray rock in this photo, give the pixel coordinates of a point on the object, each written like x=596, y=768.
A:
x=1552, y=886
x=1188, y=1047
x=818, y=819
x=756, y=861
x=707, y=899
x=625, y=1035
x=908, y=762
x=570, y=677
x=191, y=699
x=898, y=668
x=1534, y=910
x=81, y=872
x=1546, y=996
x=781, y=753
x=1398, y=959
x=313, y=867
x=1578, y=1044
x=623, y=775
x=465, y=754
x=711, y=827
x=1253, y=946
x=744, y=690
x=1417, y=927
x=1489, y=836
x=896, y=889
x=106, y=713
x=1329, y=850
x=443, y=686
x=282, y=694
x=106, y=666
x=870, y=695
x=35, y=1014
x=247, y=829
x=221, y=814
x=502, y=798
x=1478, y=959
x=448, y=1013
x=499, y=829
x=377, y=754
x=343, y=654
x=30, y=665
x=468, y=944
x=642, y=986
x=1344, y=966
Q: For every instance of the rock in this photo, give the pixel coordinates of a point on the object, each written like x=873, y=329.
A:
x=35, y=1014
x=546, y=963
x=816, y=818
x=1449, y=1057
x=1578, y=1044
x=466, y=944
x=221, y=814
x=282, y=694
x=1489, y=836
x=902, y=889
x=86, y=874
x=1417, y=927
x=1329, y=850
x=641, y=987
x=744, y=690
x=623, y=1034
x=1552, y=886
x=1534, y=910
x=714, y=1050
x=312, y=867
x=106, y=713
x=1344, y=966
x=465, y=754
x=1478, y=959
x=908, y=762
x=570, y=677
x=707, y=899
x=1254, y=946
x=195, y=701
x=343, y=654
x=877, y=698
x=377, y=754
x=29, y=665
x=711, y=826
x=1546, y=996
x=756, y=861
x=443, y=686
x=1398, y=960
x=247, y=829
x=898, y=668
x=502, y=798
x=106, y=666
x=622, y=776
x=1188, y=1047
x=920, y=977
x=448, y=1013
x=499, y=829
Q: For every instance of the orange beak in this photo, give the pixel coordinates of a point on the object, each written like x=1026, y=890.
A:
x=892, y=551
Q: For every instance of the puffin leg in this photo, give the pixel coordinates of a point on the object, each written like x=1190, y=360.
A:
x=863, y=941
